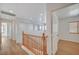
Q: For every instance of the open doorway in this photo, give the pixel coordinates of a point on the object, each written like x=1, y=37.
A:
x=5, y=36
x=4, y=30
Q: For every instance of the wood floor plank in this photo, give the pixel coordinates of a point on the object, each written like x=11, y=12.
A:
x=9, y=47
x=67, y=48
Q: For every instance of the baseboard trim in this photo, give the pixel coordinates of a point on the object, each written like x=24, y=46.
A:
x=27, y=50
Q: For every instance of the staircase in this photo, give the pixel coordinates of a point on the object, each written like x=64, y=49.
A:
x=36, y=44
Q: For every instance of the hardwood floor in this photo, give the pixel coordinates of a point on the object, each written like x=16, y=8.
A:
x=68, y=48
x=9, y=47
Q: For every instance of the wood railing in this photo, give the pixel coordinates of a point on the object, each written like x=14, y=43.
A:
x=36, y=44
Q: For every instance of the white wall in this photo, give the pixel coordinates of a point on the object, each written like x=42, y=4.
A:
x=26, y=28
x=64, y=18
x=64, y=29
x=50, y=9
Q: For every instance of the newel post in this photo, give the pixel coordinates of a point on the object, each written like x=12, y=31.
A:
x=44, y=44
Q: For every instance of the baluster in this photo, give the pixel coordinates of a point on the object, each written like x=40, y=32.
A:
x=39, y=46
x=28, y=41
x=31, y=44
x=44, y=44
x=22, y=38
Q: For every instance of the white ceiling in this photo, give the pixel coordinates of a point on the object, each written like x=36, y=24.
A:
x=28, y=11
x=31, y=11
x=24, y=10
x=56, y=6
x=70, y=11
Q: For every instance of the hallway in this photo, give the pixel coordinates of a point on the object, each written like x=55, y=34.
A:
x=38, y=28
x=9, y=47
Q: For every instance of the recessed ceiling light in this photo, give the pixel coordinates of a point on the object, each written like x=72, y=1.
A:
x=11, y=11
x=41, y=14
x=30, y=18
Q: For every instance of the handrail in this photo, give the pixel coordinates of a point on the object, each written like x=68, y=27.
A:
x=36, y=44
x=32, y=35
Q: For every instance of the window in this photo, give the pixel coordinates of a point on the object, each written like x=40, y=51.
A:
x=74, y=27
x=40, y=28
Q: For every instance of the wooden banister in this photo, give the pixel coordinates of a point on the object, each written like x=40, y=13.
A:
x=36, y=44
